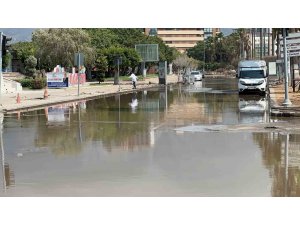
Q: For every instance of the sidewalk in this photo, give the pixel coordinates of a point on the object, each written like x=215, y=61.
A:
x=35, y=98
x=277, y=96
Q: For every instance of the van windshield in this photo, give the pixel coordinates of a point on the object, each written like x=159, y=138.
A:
x=252, y=74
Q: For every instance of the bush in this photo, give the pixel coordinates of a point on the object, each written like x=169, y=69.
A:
x=99, y=76
x=30, y=64
x=26, y=82
x=38, y=83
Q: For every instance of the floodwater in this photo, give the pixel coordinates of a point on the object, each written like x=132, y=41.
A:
x=170, y=141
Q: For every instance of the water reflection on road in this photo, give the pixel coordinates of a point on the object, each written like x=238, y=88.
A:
x=137, y=144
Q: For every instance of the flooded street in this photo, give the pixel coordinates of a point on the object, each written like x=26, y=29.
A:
x=184, y=140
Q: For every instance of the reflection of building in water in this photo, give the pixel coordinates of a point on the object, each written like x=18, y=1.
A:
x=281, y=155
x=294, y=151
x=182, y=111
x=132, y=142
x=9, y=175
x=60, y=114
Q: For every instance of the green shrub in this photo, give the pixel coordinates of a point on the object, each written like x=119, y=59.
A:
x=38, y=83
x=26, y=82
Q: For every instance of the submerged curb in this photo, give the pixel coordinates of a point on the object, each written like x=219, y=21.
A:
x=96, y=95
x=282, y=111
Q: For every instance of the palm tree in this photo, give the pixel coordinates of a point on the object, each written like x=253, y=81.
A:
x=245, y=42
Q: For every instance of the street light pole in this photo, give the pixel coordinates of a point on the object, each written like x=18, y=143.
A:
x=286, y=101
x=1, y=80
x=204, y=56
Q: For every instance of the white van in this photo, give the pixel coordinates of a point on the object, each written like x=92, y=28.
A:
x=252, y=75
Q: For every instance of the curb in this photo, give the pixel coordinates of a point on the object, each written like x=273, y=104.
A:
x=78, y=98
x=281, y=111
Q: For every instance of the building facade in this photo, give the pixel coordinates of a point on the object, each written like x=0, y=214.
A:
x=183, y=38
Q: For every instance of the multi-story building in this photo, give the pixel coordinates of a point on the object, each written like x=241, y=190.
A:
x=211, y=32
x=183, y=38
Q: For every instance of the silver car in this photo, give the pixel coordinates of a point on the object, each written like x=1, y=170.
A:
x=197, y=75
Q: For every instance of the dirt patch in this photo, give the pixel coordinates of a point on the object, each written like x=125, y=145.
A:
x=279, y=92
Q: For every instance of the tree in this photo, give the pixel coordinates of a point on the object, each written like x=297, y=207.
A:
x=102, y=38
x=128, y=37
x=218, y=51
x=183, y=62
x=22, y=50
x=130, y=59
x=30, y=64
x=245, y=43
x=5, y=60
x=198, y=51
x=58, y=46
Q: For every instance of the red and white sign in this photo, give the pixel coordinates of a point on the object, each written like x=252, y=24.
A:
x=73, y=79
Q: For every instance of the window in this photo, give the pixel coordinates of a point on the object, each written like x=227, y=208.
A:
x=252, y=74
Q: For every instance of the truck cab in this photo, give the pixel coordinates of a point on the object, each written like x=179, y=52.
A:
x=252, y=76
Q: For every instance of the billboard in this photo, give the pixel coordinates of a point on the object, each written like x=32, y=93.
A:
x=148, y=52
x=57, y=80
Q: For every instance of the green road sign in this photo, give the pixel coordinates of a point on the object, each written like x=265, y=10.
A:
x=148, y=52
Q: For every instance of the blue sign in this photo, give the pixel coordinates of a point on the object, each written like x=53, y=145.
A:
x=57, y=80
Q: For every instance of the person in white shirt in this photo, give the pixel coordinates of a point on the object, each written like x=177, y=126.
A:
x=133, y=79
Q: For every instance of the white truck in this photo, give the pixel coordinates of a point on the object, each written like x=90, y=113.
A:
x=252, y=75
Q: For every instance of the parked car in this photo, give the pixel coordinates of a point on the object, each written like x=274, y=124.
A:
x=197, y=75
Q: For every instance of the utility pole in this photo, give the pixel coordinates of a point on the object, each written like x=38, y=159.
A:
x=286, y=101
x=261, y=41
x=1, y=79
x=78, y=93
x=204, y=56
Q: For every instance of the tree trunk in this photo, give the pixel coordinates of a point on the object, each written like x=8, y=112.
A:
x=254, y=43
x=269, y=43
x=89, y=73
x=273, y=41
x=278, y=45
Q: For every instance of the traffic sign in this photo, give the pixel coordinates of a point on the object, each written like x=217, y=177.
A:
x=291, y=41
x=291, y=54
x=291, y=35
x=291, y=48
x=78, y=59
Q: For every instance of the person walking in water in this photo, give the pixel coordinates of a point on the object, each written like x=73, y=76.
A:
x=133, y=79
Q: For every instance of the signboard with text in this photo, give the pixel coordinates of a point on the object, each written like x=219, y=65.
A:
x=292, y=45
x=57, y=80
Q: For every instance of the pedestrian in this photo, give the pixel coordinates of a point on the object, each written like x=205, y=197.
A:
x=133, y=79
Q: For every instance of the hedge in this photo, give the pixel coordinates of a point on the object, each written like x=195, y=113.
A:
x=38, y=83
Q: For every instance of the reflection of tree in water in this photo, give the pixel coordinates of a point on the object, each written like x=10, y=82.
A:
x=101, y=121
x=286, y=181
x=112, y=130
x=62, y=140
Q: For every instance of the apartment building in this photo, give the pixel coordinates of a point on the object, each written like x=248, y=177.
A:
x=182, y=38
x=211, y=32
